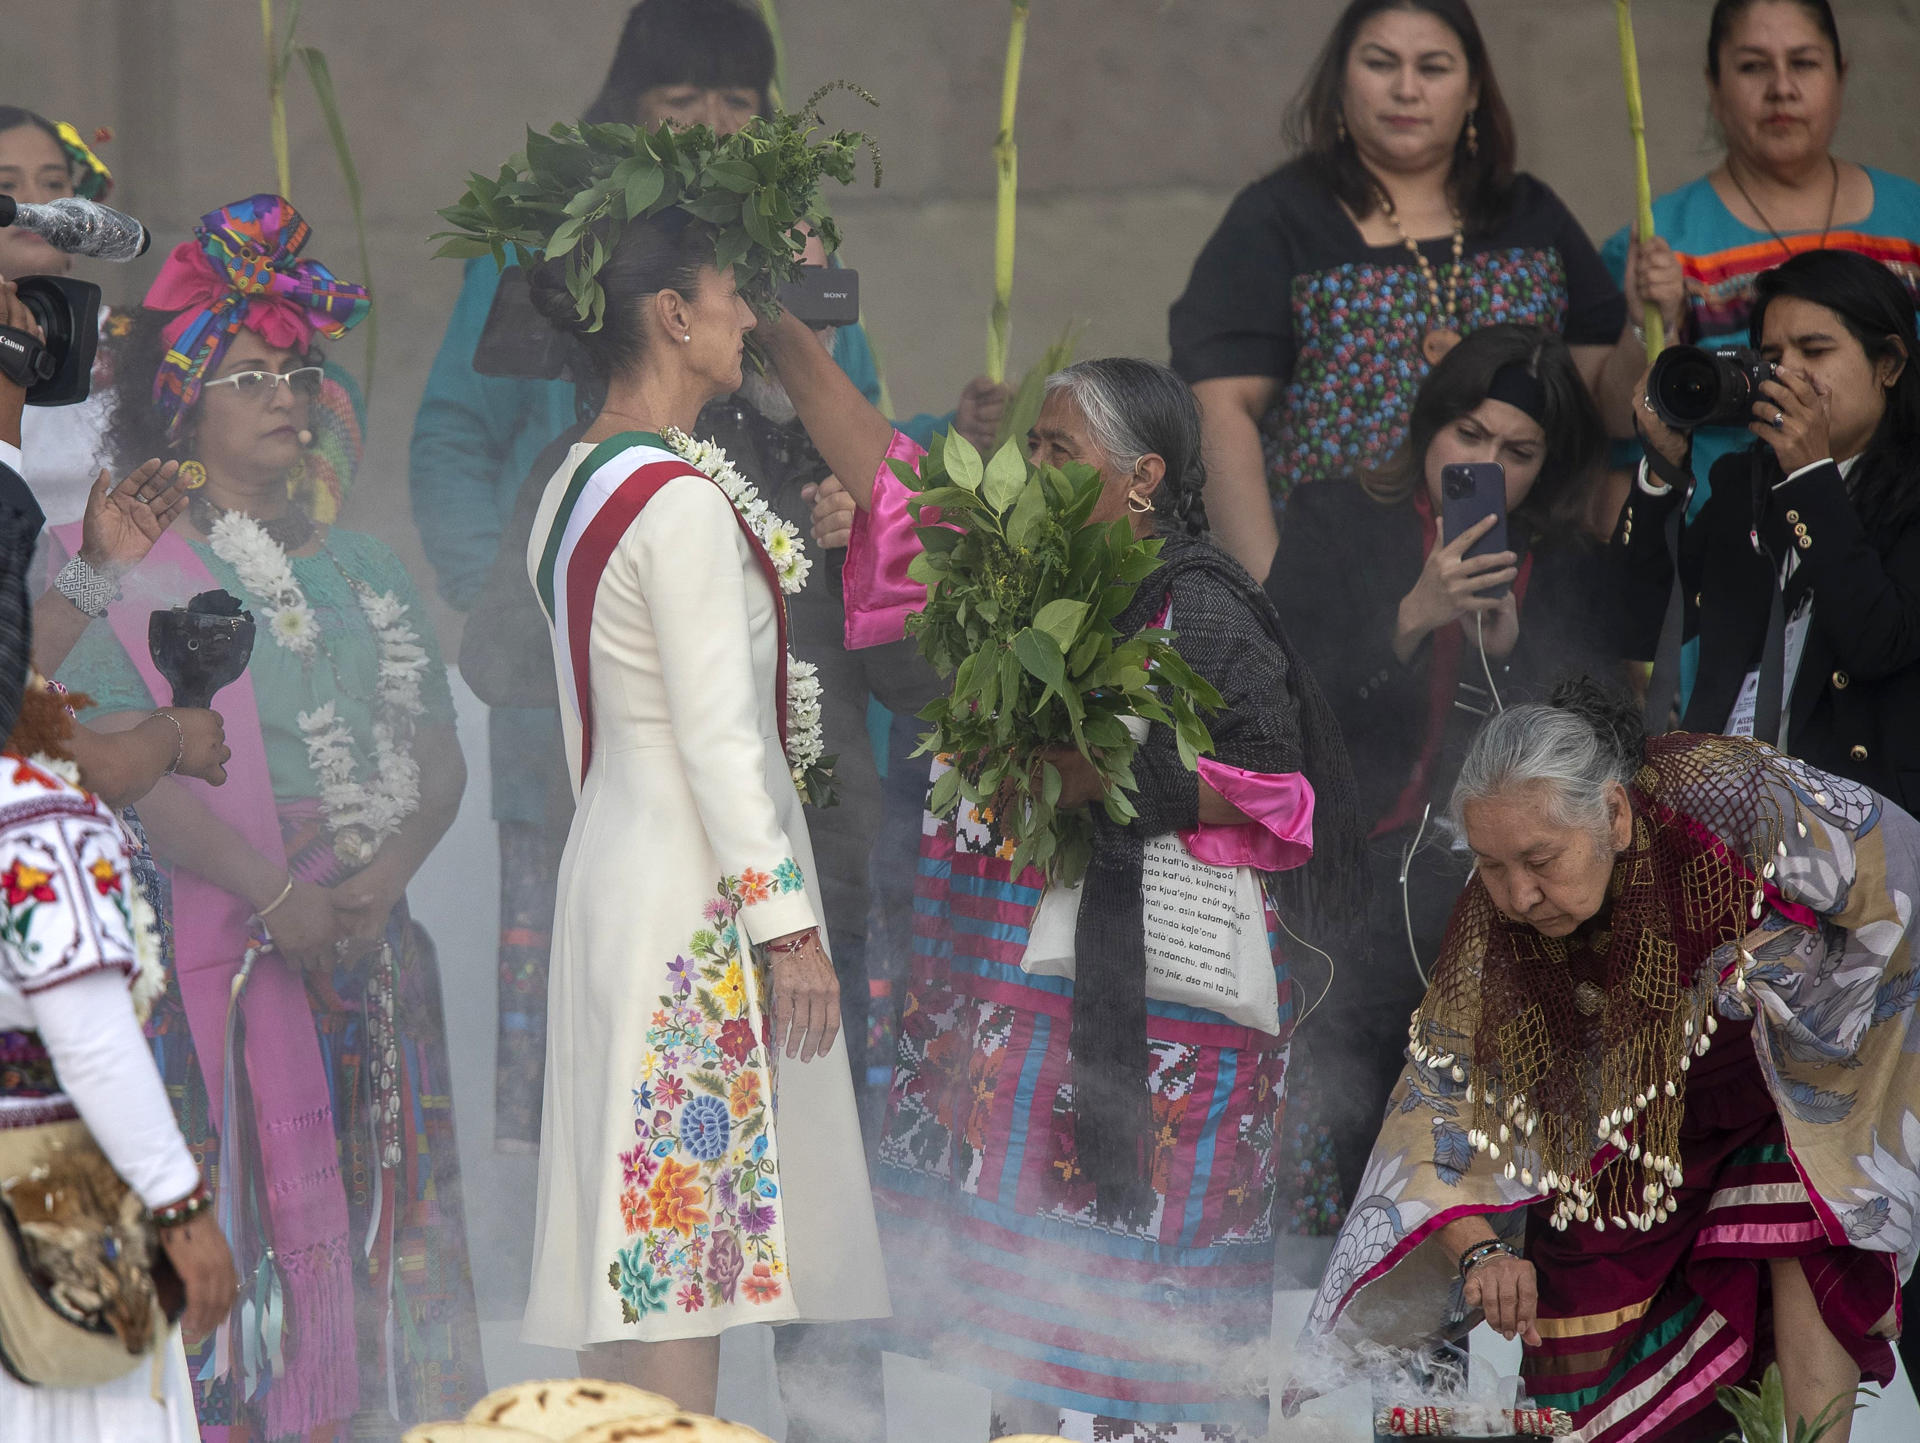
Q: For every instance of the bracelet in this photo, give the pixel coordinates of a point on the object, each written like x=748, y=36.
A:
x=186, y=1210
x=180, y=738
x=285, y=892
x=788, y=946
x=90, y=591
x=1480, y=1252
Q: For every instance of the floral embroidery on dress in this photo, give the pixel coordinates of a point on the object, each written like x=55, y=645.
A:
x=699, y=1191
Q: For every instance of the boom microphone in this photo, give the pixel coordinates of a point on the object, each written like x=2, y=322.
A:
x=79, y=227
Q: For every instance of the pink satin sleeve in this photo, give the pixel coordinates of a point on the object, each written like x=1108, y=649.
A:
x=879, y=594
x=1280, y=836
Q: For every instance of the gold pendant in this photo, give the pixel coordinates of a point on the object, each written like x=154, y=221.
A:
x=1437, y=343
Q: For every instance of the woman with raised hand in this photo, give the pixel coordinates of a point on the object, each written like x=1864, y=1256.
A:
x=345, y=773
x=1333, y=285
x=1012, y=1180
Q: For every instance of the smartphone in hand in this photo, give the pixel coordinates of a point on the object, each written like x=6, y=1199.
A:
x=1469, y=493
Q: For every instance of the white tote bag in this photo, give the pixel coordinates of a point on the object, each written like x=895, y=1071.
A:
x=1206, y=935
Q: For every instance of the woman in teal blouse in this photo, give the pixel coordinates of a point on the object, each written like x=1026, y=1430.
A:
x=343, y=1194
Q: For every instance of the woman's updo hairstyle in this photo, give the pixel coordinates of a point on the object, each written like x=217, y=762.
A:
x=664, y=252
x=1584, y=738
x=1135, y=408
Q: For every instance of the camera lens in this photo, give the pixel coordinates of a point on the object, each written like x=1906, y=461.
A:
x=1688, y=389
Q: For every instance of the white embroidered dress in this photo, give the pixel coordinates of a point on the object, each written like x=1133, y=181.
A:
x=67, y=964
x=689, y=1181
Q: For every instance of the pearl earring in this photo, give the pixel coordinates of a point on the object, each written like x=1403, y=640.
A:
x=306, y=436
x=686, y=338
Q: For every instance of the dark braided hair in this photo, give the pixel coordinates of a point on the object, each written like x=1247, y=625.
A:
x=1135, y=408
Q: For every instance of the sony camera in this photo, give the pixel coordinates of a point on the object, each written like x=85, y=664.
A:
x=58, y=369
x=517, y=341
x=1691, y=386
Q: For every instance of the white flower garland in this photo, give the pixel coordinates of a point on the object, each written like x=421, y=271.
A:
x=780, y=538
x=360, y=814
x=806, y=736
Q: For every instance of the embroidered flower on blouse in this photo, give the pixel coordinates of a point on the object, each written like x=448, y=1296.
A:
x=26, y=883
x=705, y=1128
x=760, y=1285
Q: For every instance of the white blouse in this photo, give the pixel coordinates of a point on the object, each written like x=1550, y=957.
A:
x=68, y=972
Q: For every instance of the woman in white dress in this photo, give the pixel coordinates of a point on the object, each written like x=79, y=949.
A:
x=692, y=997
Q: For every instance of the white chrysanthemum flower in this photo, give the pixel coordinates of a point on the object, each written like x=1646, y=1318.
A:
x=320, y=718
x=293, y=627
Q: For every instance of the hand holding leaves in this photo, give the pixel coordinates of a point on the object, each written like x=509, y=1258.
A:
x=1022, y=597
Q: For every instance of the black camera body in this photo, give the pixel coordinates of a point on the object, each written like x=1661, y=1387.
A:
x=56, y=370
x=1692, y=387
x=823, y=296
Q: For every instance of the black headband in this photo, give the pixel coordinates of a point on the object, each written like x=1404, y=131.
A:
x=1516, y=384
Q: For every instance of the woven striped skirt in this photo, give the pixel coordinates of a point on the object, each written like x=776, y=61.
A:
x=998, y=1268
x=1639, y=1329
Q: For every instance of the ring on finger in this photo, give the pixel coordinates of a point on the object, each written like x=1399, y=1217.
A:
x=1779, y=421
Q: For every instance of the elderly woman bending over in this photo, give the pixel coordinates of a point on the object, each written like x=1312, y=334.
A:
x=1662, y=1083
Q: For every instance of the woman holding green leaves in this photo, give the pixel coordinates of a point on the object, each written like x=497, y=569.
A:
x=692, y=998
x=1075, y=1179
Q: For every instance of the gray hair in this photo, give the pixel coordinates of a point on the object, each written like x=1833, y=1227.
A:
x=1135, y=408
x=1574, y=752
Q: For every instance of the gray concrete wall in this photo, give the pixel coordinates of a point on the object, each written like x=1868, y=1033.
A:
x=1139, y=120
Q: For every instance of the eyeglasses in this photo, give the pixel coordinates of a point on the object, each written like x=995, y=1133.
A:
x=304, y=381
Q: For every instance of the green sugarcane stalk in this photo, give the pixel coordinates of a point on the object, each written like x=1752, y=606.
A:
x=1006, y=154
x=276, y=101
x=1654, y=326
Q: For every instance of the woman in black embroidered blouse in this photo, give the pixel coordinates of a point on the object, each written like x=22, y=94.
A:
x=1334, y=284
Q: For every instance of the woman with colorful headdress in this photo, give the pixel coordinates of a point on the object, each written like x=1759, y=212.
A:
x=1661, y=1089
x=325, y=1107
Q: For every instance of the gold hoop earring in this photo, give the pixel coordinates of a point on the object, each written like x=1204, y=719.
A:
x=1138, y=504
x=192, y=475
x=1473, y=133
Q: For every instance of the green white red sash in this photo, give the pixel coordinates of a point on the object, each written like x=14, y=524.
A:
x=604, y=496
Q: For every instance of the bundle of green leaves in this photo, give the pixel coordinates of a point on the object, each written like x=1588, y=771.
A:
x=573, y=190
x=1022, y=597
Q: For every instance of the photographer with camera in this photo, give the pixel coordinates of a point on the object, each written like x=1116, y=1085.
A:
x=1799, y=581
x=41, y=161
x=1798, y=593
